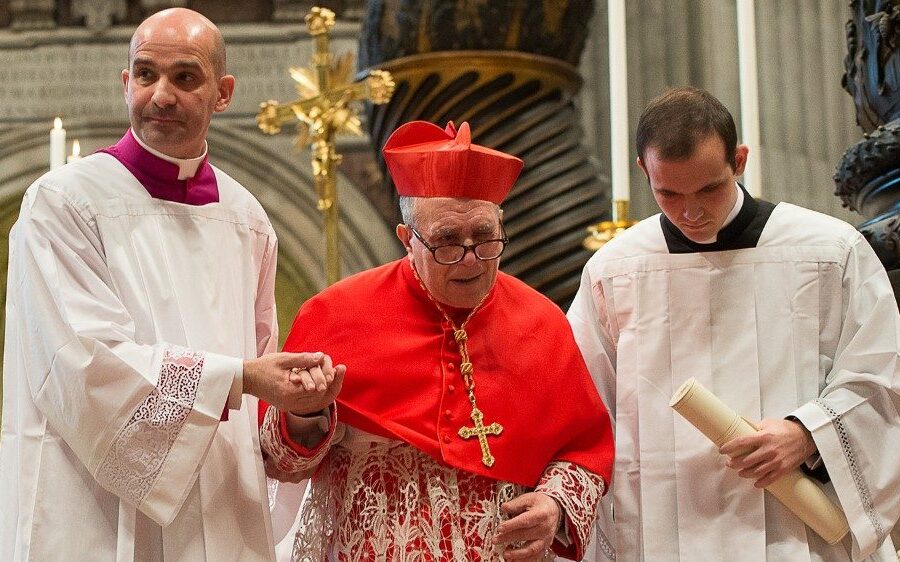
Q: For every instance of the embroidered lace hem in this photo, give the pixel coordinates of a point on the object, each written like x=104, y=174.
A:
x=281, y=461
x=137, y=454
x=578, y=491
x=387, y=501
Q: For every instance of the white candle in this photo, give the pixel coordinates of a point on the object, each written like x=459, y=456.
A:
x=618, y=102
x=746, y=24
x=76, y=152
x=57, y=144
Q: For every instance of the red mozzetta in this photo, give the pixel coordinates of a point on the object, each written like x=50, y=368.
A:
x=403, y=379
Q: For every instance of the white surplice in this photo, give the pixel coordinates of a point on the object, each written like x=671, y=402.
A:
x=804, y=324
x=127, y=322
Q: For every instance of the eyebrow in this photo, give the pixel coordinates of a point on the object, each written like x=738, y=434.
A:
x=715, y=183
x=445, y=232
x=181, y=64
x=484, y=228
x=712, y=184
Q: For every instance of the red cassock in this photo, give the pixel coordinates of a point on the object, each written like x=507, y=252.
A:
x=403, y=380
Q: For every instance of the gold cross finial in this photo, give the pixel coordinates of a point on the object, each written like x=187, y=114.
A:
x=327, y=91
x=481, y=431
x=319, y=21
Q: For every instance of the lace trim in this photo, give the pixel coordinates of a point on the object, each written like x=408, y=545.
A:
x=282, y=462
x=578, y=491
x=137, y=454
x=861, y=487
x=385, y=500
x=604, y=544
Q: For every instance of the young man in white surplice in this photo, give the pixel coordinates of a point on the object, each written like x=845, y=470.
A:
x=784, y=313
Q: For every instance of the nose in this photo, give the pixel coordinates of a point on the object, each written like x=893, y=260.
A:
x=692, y=212
x=469, y=258
x=163, y=96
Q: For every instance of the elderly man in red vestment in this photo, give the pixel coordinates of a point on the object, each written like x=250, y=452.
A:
x=467, y=426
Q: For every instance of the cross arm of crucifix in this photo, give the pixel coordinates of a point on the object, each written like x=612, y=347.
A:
x=377, y=87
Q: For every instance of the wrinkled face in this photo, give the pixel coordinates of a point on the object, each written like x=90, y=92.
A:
x=442, y=220
x=172, y=88
x=697, y=193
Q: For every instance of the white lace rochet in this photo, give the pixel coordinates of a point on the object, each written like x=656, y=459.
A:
x=376, y=499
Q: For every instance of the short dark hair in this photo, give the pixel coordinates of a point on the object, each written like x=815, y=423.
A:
x=678, y=119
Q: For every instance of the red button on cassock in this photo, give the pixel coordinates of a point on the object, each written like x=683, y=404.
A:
x=446, y=439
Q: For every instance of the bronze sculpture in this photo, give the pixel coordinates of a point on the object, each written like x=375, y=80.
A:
x=868, y=177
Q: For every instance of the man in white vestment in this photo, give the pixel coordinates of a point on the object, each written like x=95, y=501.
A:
x=140, y=296
x=784, y=313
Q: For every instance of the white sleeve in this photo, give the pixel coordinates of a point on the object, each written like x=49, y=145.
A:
x=266, y=320
x=857, y=414
x=140, y=417
x=595, y=336
x=590, y=325
x=266, y=314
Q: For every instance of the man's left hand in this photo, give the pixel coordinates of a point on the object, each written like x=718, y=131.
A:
x=533, y=523
x=779, y=447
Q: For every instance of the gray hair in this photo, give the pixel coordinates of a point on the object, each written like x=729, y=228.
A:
x=408, y=210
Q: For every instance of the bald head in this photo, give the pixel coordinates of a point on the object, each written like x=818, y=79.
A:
x=176, y=81
x=181, y=25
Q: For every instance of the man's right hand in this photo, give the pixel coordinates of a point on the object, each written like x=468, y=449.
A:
x=302, y=383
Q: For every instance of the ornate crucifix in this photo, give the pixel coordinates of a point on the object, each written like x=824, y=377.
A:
x=324, y=110
x=481, y=431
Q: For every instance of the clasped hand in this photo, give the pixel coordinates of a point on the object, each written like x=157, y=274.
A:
x=779, y=447
x=532, y=527
x=302, y=383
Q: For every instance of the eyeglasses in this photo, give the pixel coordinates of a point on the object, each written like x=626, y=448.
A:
x=449, y=254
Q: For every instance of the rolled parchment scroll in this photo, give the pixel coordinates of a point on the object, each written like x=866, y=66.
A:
x=796, y=491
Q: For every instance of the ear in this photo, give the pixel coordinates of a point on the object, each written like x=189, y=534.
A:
x=643, y=168
x=740, y=158
x=226, y=92
x=125, y=77
x=405, y=237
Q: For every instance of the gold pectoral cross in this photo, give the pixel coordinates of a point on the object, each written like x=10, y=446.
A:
x=481, y=431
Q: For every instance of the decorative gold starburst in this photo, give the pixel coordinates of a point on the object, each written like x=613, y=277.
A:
x=333, y=110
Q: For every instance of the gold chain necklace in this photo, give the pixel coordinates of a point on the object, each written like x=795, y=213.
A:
x=467, y=371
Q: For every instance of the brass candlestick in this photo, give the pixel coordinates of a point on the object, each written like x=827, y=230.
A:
x=603, y=232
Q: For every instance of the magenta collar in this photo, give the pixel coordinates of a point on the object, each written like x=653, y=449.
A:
x=160, y=177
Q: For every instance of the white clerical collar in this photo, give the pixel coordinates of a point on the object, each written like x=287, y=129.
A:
x=738, y=203
x=187, y=167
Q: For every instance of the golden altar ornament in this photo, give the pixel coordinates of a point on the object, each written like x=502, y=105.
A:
x=603, y=232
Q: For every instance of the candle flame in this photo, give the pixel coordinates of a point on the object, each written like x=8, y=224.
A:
x=76, y=148
x=57, y=123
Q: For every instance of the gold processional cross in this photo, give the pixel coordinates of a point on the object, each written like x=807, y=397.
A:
x=324, y=110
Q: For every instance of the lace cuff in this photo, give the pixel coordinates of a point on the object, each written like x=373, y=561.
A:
x=578, y=491
x=180, y=413
x=286, y=459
